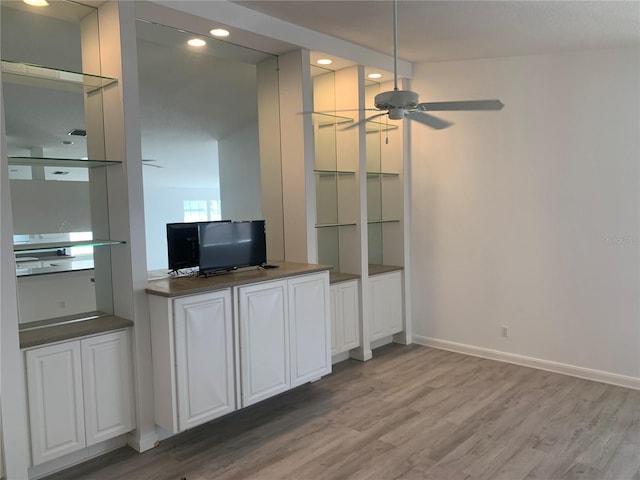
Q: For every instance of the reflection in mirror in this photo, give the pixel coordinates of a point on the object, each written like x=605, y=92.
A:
x=53, y=192
x=201, y=146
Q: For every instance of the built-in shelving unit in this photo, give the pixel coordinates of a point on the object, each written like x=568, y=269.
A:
x=336, y=176
x=61, y=162
x=85, y=198
x=385, y=201
x=43, y=247
x=52, y=78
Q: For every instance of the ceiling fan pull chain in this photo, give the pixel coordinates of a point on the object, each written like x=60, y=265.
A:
x=386, y=131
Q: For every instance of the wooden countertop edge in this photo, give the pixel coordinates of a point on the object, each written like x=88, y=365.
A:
x=380, y=269
x=182, y=286
x=339, y=277
x=68, y=331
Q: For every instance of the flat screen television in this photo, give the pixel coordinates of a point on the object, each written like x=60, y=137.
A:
x=182, y=244
x=227, y=246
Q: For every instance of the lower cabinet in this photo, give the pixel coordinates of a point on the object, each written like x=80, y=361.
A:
x=204, y=358
x=284, y=335
x=264, y=341
x=254, y=341
x=345, y=316
x=192, y=344
x=385, y=304
x=79, y=392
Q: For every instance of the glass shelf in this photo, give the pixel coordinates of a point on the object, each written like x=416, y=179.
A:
x=373, y=127
x=382, y=174
x=61, y=162
x=35, y=75
x=370, y=222
x=333, y=225
x=327, y=173
x=46, y=246
x=327, y=119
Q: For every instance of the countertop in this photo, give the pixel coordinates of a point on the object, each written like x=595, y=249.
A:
x=175, y=286
x=380, y=269
x=31, y=336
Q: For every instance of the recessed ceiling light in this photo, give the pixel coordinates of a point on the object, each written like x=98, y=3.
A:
x=37, y=3
x=374, y=75
x=219, y=32
x=324, y=61
x=197, y=42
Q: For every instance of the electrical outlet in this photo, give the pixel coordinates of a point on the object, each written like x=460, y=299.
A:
x=63, y=304
x=505, y=331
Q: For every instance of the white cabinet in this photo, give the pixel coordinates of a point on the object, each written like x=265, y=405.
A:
x=106, y=375
x=309, y=329
x=345, y=316
x=284, y=335
x=204, y=358
x=192, y=344
x=385, y=304
x=56, y=410
x=225, y=349
x=79, y=394
x=264, y=340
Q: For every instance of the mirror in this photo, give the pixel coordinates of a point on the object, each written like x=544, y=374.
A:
x=201, y=138
x=53, y=191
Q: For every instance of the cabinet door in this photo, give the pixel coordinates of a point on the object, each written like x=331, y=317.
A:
x=309, y=328
x=54, y=391
x=204, y=358
x=377, y=307
x=349, y=315
x=264, y=340
x=393, y=292
x=336, y=342
x=385, y=304
x=106, y=373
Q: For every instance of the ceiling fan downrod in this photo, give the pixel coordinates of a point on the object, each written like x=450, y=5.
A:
x=395, y=44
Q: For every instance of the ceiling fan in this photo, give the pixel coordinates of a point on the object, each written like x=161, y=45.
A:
x=398, y=104
x=147, y=162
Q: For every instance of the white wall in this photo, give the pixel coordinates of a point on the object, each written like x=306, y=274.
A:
x=239, y=169
x=529, y=217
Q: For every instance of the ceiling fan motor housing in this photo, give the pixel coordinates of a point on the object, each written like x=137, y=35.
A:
x=404, y=99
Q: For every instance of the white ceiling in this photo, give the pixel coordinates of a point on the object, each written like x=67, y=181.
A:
x=455, y=30
x=429, y=31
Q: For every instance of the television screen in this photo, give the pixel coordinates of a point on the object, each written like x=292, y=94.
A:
x=182, y=245
x=226, y=246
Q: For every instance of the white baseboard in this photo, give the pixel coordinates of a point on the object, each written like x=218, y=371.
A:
x=143, y=443
x=563, y=368
x=339, y=357
x=79, y=456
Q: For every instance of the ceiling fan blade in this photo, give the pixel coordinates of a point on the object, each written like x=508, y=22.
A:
x=429, y=120
x=461, y=105
x=357, y=124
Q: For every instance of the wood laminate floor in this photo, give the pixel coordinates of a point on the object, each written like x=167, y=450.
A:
x=410, y=413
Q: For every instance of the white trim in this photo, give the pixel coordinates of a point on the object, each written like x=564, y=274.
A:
x=548, y=365
x=76, y=458
x=142, y=444
x=339, y=357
